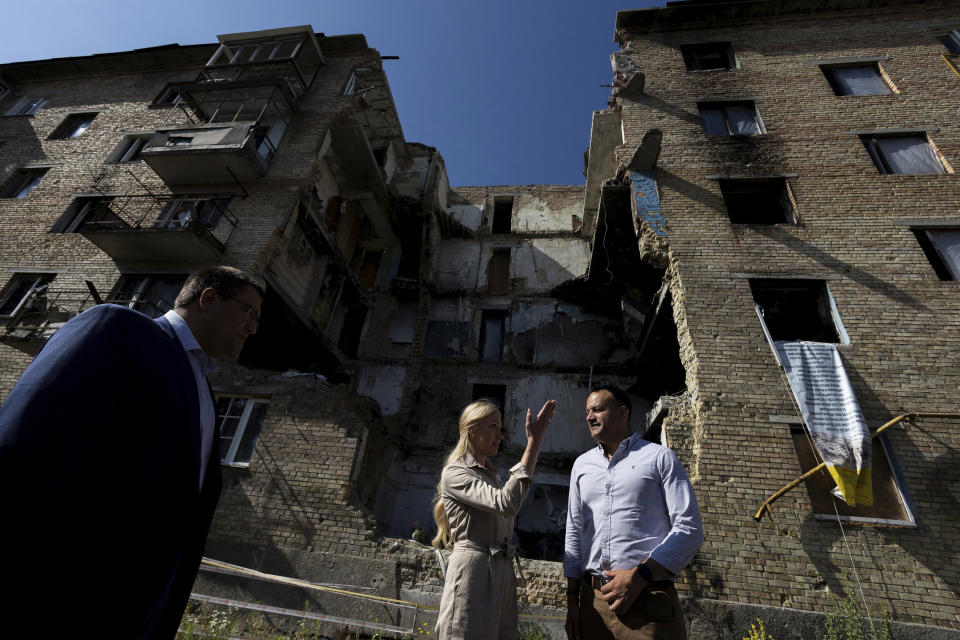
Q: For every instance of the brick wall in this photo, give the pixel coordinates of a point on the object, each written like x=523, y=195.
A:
x=902, y=320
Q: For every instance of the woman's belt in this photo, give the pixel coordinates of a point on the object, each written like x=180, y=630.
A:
x=504, y=549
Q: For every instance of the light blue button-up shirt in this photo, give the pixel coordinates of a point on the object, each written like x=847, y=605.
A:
x=638, y=505
x=202, y=364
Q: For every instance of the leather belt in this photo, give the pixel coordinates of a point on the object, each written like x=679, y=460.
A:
x=596, y=582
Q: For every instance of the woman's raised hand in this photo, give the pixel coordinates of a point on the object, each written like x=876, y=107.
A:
x=537, y=429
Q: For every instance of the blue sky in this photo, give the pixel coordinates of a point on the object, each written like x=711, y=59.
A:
x=504, y=89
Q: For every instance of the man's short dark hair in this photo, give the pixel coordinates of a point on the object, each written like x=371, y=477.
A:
x=618, y=394
x=226, y=281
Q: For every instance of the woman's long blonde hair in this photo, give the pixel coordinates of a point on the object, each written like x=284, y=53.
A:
x=471, y=415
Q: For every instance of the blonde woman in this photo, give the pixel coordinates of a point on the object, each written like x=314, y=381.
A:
x=474, y=512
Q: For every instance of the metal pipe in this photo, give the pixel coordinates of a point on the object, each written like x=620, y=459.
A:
x=765, y=507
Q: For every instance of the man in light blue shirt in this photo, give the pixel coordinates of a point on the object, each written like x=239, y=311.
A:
x=632, y=526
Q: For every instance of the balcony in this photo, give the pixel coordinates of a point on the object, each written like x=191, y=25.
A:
x=290, y=56
x=147, y=228
x=42, y=312
x=215, y=153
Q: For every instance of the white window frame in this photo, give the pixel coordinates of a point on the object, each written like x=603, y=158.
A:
x=722, y=107
x=882, y=162
x=229, y=460
x=830, y=71
x=26, y=106
x=40, y=282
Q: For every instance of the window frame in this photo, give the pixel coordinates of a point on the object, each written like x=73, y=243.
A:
x=831, y=311
x=22, y=181
x=692, y=57
x=788, y=212
x=722, y=106
x=139, y=294
x=799, y=430
x=26, y=106
x=882, y=164
x=243, y=423
x=73, y=125
x=828, y=71
x=40, y=283
x=951, y=36
x=942, y=266
x=159, y=102
x=131, y=142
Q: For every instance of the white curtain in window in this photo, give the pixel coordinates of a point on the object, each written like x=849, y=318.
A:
x=713, y=122
x=860, y=81
x=743, y=121
x=947, y=243
x=910, y=154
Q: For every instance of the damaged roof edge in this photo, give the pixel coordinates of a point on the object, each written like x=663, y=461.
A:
x=678, y=15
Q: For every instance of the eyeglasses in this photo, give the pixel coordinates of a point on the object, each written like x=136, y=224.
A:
x=248, y=309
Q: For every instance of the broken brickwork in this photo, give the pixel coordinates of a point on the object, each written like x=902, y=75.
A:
x=842, y=223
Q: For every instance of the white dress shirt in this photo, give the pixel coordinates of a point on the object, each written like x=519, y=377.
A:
x=638, y=505
x=201, y=364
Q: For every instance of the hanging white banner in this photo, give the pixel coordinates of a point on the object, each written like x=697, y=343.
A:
x=830, y=408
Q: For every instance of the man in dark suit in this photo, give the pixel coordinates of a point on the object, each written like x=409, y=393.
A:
x=109, y=464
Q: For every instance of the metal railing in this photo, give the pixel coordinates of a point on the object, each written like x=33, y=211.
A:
x=204, y=215
x=43, y=312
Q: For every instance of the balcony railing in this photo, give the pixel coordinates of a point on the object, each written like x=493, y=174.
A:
x=133, y=227
x=43, y=312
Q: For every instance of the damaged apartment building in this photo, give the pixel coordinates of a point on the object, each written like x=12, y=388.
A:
x=766, y=174
x=791, y=164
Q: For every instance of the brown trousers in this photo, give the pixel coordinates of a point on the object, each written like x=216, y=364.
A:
x=655, y=615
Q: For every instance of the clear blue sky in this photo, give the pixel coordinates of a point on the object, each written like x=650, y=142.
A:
x=503, y=88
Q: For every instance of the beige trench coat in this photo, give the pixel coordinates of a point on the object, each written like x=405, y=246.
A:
x=479, y=599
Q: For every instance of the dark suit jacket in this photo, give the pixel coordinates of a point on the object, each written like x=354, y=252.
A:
x=103, y=519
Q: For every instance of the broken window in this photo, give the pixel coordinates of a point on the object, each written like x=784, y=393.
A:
x=951, y=40
x=942, y=248
x=856, y=80
x=758, y=201
x=22, y=182
x=129, y=148
x=708, y=55
x=21, y=290
x=239, y=420
x=890, y=498
x=734, y=118
x=491, y=335
x=795, y=309
x=498, y=272
x=912, y=154
x=151, y=295
x=26, y=106
x=496, y=393
x=502, y=216
x=446, y=338
x=87, y=210
x=180, y=214
x=73, y=126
